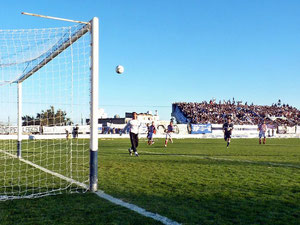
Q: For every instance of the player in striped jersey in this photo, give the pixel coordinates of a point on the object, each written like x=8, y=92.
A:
x=151, y=131
x=262, y=127
x=169, y=132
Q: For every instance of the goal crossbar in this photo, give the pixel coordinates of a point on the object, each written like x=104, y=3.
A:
x=55, y=51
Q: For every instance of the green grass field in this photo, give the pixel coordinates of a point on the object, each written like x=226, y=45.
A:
x=193, y=181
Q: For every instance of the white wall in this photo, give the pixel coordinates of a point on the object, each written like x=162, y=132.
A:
x=240, y=131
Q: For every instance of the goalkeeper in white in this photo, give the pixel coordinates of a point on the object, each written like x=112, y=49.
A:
x=134, y=127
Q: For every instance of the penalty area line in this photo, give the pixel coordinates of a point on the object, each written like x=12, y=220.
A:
x=100, y=194
x=137, y=209
x=224, y=159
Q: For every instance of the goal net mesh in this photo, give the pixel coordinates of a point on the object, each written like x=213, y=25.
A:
x=53, y=68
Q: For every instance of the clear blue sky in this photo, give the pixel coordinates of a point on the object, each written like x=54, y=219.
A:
x=183, y=50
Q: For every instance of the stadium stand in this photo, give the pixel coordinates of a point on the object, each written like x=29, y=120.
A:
x=242, y=114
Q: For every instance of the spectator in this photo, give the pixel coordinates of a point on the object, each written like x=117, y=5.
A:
x=275, y=115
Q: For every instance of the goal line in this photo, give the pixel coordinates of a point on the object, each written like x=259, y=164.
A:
x=68, y=179
x=99, y=193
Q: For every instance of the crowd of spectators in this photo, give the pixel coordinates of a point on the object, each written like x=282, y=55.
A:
x=242, y=114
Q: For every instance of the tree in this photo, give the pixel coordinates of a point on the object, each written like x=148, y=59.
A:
x=50, y=117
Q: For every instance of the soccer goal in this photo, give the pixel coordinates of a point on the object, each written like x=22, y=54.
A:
x=48, y=110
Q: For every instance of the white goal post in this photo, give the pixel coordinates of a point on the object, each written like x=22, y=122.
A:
x=49, y=80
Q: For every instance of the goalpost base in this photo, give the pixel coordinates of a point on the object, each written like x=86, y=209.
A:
x=93, y=171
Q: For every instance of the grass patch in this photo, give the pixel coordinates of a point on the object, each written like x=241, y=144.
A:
x=193, y=181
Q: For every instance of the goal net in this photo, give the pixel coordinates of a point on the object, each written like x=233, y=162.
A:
x=45, y=95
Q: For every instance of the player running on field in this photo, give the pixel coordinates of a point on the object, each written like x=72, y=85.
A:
x=151, y=131
x=227, y=129
x=262, y=127
x=169, y=132
x=134, y=127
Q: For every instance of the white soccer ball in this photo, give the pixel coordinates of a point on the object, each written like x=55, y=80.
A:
x=120, y=69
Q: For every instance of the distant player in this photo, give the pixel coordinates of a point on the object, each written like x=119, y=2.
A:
x=151, y=131
x=262, y=128
x=67, y=134
x=134, y=126
x=169, y=132
x=75, y=131
x=227, y=129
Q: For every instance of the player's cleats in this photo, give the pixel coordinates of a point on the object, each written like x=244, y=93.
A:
x=165, y=145
x=130, y=151
x=136, y=154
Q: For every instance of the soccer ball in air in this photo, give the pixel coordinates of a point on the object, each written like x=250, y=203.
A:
x=119, y=69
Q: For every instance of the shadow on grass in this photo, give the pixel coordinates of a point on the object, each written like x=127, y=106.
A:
x=224, y=209
x=217, y=208
x=68, y=209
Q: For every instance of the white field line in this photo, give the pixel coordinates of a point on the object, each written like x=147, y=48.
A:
x=101, y=194
x=225, y=159
x=137, y=209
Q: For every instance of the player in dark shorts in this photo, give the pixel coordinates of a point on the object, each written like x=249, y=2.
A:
x=227, y=129
x=134, y=128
